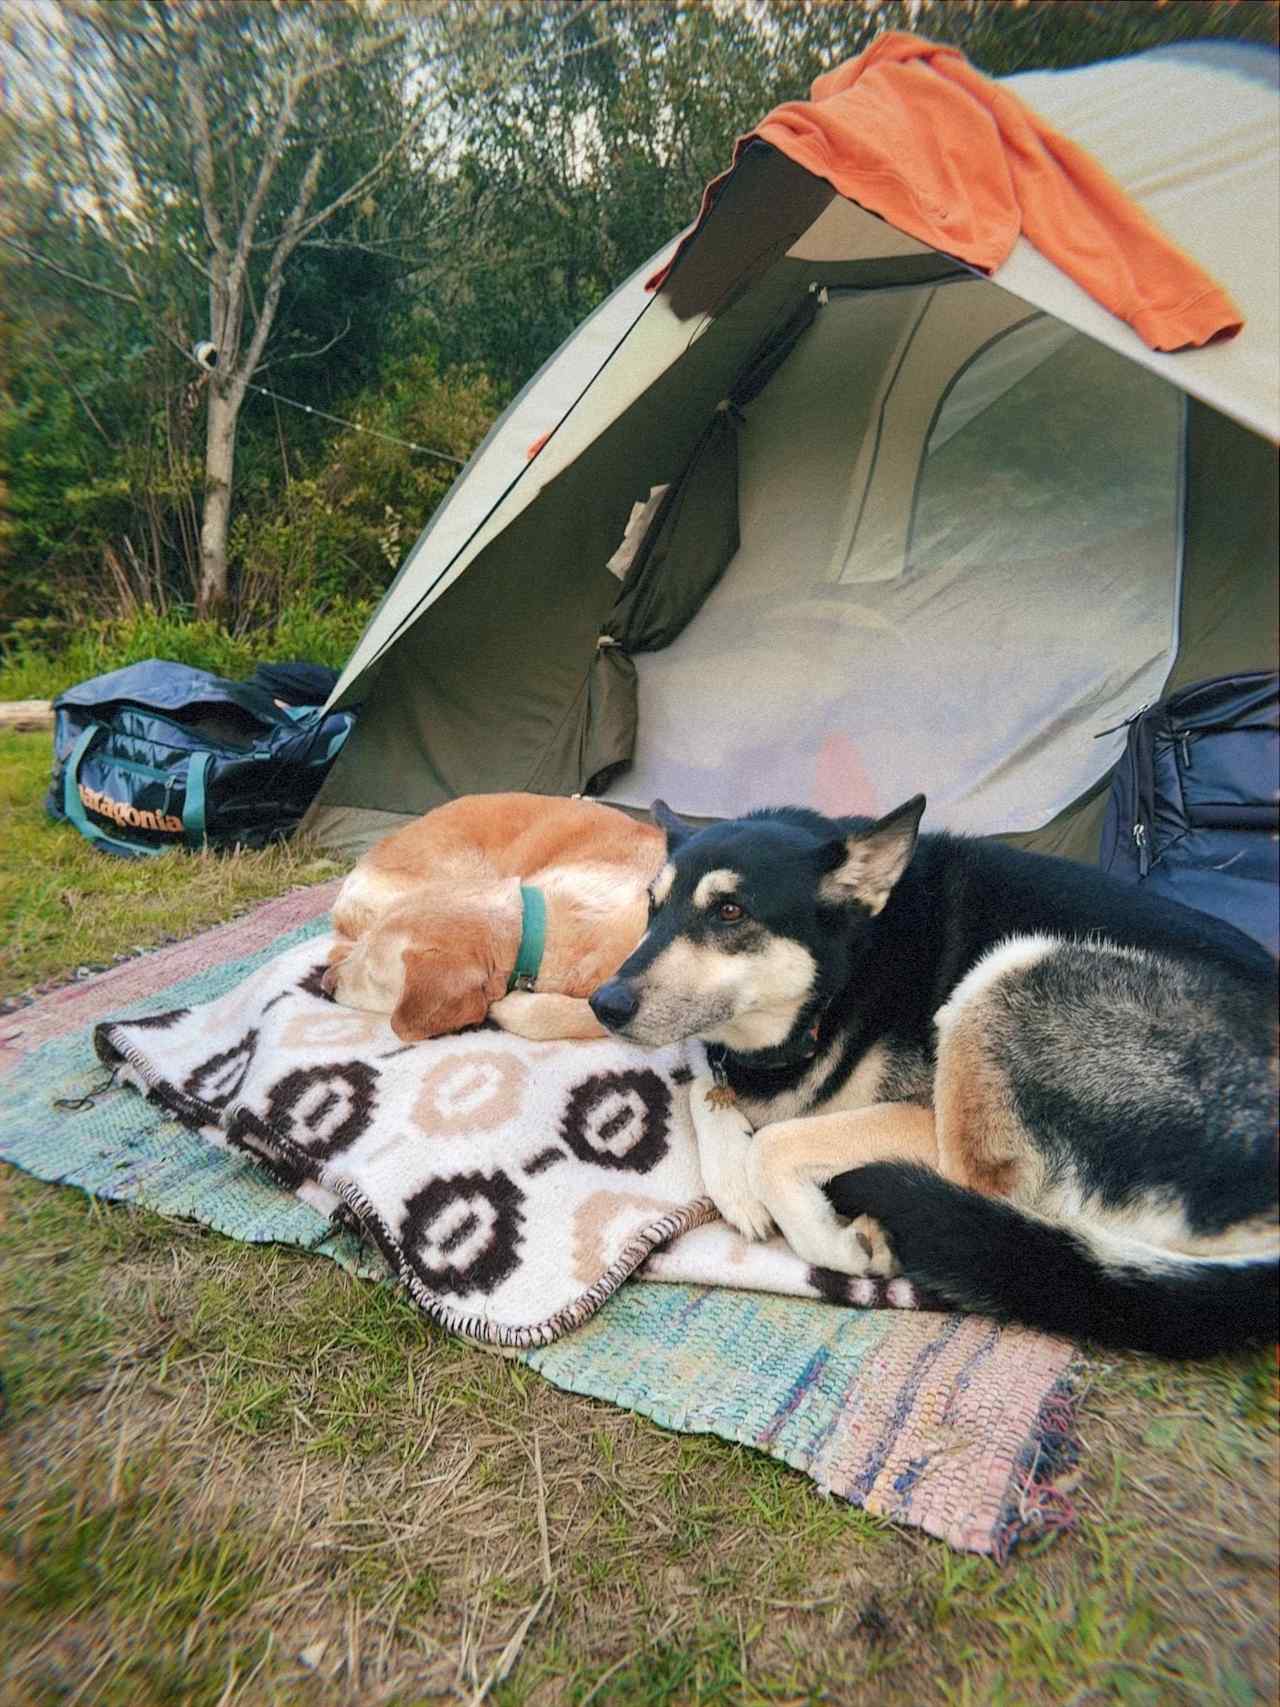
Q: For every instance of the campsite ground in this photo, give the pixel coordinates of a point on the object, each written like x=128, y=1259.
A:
x=238, y=1475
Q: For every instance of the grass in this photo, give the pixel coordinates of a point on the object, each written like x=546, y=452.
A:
x=31, y=670
x=237, y=1475
x=63, y=905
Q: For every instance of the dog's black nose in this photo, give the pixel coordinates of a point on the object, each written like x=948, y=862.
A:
x=614, y=1004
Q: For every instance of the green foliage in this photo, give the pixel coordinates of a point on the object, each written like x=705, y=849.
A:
x=323, y=634
x=578, y=178
x=342, y=530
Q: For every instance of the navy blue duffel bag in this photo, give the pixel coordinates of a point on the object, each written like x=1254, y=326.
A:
x=1194, y=808
x=159, y=755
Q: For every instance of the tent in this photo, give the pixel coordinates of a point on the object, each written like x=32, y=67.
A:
x=828, y=517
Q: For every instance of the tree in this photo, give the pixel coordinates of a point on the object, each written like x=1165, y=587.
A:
x=205, y=147
x=194, y=163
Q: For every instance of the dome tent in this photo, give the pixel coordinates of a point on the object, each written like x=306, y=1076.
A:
x=902, y=525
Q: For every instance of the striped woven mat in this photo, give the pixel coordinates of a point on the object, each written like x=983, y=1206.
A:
x=946, y=1422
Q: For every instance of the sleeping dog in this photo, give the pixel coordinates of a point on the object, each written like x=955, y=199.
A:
x=1043, y=1094
x=437, y=921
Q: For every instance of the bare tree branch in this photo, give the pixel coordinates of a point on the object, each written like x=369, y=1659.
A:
x=306, y=355
x=506, y=73
x=275, y=273
x=66, y=272
x=202, y=150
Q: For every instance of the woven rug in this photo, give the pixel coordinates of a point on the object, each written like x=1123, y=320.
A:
x=949, y=1423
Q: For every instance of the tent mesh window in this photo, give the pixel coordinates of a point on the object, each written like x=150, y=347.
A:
x=959, y=562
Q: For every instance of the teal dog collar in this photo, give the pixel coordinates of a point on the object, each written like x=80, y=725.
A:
x=533, y=937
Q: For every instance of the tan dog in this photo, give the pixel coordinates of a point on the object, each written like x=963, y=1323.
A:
x=429, y=922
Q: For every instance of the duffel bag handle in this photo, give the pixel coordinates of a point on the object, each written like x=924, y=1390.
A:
x=193, y=806
x=193, y=811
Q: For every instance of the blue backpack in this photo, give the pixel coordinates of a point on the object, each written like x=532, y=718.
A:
x=1194, y=809
x=159, y=755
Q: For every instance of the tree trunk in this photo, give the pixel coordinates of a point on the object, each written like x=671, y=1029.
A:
x=219, y=467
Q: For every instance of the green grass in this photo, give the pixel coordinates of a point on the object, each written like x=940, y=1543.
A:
x=238, y=1441
x=63, y=905
x=236, y=1475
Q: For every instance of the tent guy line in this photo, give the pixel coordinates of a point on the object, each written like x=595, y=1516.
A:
x=372, y=432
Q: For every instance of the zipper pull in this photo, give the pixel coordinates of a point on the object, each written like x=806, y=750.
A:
x=1124, y=721
x=1184, y=740
x=1144, y=851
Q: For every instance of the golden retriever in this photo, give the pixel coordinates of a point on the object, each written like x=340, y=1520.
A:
x=429, y=922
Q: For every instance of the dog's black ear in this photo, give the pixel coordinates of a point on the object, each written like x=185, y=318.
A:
x=677, y=830
x=875, y=858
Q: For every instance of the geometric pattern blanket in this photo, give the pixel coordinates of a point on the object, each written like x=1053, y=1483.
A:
x=512, y=1186
x=955, y=1424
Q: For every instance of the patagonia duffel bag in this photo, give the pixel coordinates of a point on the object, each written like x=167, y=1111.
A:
x=160, y=755
x=1193, y=810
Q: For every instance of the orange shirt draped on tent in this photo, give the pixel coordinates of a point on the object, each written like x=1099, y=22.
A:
x=910, y=131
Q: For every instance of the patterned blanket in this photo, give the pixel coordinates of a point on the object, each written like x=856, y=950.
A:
x=512, y=1186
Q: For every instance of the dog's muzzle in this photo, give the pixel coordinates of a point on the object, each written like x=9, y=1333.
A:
x=615, y=1005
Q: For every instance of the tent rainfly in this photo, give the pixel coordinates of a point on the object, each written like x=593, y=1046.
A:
x=828, y=517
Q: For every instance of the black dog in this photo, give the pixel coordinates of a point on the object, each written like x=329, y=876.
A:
x=1058, y=1097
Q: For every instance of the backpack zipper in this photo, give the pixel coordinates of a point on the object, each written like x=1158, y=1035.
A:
x=1144, y=851
x=1124, y=721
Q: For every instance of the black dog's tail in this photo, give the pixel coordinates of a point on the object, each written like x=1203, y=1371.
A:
x=980, y=1253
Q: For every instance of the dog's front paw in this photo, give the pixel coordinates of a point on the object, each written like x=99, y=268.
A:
x=820, y=1238
x=741, y=1208
x=517, y=1012
x=724, y=1154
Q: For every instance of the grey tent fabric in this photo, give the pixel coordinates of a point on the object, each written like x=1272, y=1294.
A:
x=974, y=655
x=1228, y=610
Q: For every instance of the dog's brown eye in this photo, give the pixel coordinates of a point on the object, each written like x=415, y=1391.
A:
x=729, y=912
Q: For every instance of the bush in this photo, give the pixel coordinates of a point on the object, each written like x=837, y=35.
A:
x=343, y=531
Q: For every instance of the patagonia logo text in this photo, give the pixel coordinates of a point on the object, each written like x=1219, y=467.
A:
x=121, y=813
